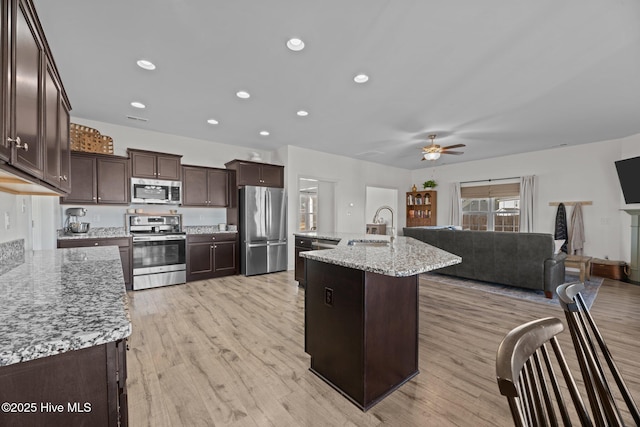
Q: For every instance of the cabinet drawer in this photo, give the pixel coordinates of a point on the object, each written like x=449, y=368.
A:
x=83, y=243
x=304, y=242
x=217, y=237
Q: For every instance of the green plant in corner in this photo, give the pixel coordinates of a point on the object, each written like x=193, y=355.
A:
x=429, y=185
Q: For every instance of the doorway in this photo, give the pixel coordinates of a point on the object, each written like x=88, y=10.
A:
x=316, y=202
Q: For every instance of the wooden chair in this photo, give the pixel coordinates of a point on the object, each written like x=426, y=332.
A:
x=604, y=400
x=527, y=377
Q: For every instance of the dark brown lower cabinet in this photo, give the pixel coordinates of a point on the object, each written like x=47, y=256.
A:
x=123, y=244
x=84, y=387
x=302, y=244
x=361, y=330
x=211, y=255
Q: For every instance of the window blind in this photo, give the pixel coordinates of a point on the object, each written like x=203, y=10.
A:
x=492, y=190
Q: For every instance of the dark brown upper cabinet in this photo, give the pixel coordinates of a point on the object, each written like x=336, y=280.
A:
x=254, y=173
x=34, y=143
x=153, y=165
x=208, y=187
x=98, y=179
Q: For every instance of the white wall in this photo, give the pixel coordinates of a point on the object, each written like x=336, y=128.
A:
x=377, y=197
x=193, y=151
x=18, y=209
x=351, y=178
x=580, y=173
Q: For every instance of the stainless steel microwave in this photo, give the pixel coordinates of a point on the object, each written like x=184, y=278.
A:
x=156, y=191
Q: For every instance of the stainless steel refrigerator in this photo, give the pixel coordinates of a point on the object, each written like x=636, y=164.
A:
x=263, y=230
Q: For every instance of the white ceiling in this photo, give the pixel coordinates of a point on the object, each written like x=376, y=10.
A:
x=501, y=76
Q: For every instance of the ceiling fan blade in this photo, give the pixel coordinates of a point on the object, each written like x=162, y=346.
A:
x=453, y=152
x=453, y=146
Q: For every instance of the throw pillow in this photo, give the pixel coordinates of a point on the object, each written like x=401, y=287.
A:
x=558, y=244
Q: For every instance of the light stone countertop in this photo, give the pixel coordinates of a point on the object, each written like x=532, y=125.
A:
x=204, y=229
x=95, y=233
x=405, y=256
x=58, y=300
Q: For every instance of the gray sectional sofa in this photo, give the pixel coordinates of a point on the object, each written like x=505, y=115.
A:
x=525, y=260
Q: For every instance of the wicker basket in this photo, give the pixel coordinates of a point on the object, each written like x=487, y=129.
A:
x=84, y=138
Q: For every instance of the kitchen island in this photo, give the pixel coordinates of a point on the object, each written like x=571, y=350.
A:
x=361, y=312
x=64, y=322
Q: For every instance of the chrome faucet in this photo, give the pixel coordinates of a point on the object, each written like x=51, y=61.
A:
x=375, y=217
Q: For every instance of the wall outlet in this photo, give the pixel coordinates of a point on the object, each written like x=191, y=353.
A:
x=96, y=218
x=328, y=296
x=7, y=222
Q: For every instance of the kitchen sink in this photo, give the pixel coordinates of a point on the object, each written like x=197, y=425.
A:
x=368, y=243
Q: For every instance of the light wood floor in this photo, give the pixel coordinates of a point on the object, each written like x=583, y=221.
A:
x=230, y=351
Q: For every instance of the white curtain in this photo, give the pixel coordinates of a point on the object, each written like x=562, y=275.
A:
x=455, y=211
x=527, y=187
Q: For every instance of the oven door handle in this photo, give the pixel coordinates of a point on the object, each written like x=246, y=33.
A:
x=158, y=238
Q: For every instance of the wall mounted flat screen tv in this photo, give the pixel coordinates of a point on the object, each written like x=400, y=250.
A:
x=629, y=176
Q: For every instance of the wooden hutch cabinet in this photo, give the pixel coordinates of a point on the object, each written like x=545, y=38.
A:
x=421, y=208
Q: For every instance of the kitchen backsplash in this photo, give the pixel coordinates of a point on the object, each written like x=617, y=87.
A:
x=113, y=216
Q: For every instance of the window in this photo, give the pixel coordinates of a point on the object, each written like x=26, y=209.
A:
x=491, y=207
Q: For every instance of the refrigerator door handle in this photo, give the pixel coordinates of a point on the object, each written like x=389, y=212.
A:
x=268, y=211
x=256, y=245
x=276, y=243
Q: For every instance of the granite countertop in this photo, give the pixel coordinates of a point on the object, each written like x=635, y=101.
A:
x=95, y=233
x=58, y=300
x=405, y=256
x=204, y=229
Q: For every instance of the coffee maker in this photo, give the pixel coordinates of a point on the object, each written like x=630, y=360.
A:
x=73, y=224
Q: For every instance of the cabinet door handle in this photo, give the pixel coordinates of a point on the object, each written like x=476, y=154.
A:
x=213, y=238
x=96, y=244
x=211, y=246
x=19, y=143
x=215, y=246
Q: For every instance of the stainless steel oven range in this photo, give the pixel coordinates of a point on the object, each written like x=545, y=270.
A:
x=159, y=250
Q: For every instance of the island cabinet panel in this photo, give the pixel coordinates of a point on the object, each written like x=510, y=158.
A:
x=361, y=330
x=82, y=387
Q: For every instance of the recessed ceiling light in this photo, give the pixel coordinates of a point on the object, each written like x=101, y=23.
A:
x=295, y=44
x=243, y=94
x=147, y=65
x=212, y=121
x=264, y=133
x=138, y=104
x=361, y=78
x=302, y=113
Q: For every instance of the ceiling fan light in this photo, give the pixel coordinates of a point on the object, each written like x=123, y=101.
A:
x=432, y=156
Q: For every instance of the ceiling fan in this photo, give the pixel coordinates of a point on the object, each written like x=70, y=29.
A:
x=433, y=151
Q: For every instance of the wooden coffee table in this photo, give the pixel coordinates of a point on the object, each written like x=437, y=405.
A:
x=581, y=262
